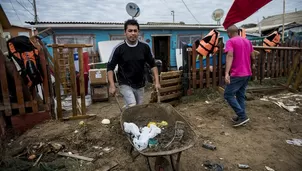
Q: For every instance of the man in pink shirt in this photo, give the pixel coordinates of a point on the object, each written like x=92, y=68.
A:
x=237, y=73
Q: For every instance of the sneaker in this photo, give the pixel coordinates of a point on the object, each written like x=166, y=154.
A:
x=240, y=122
x=234, y=119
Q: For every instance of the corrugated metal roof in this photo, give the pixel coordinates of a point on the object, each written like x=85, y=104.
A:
x=277, y=19
x=115, y=23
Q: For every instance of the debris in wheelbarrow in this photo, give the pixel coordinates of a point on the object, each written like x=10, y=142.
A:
x=141, y=138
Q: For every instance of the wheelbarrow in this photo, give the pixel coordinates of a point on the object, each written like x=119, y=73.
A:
x=174, y=138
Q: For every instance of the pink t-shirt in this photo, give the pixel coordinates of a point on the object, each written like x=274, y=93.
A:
x=242, y=49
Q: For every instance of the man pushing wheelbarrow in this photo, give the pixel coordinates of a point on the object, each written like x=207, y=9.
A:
x=131, y=56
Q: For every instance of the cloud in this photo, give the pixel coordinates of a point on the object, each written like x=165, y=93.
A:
x=151, y=10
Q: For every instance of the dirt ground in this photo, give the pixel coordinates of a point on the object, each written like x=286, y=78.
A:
x=262, y=142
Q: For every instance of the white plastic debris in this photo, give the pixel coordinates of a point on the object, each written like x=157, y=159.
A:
x=105, y=121
x=269, y=169
x=297, y=142
x=131, y=128
x=141, y=139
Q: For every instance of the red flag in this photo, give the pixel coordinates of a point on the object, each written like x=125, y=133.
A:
x=241, y=9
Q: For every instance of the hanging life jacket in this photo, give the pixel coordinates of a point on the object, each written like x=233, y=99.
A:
x=208, y=44
x=26, y=59
x=272, y=40
x=241, y=32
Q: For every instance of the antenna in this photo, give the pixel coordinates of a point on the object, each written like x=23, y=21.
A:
x=132, y=9
x=217, y=15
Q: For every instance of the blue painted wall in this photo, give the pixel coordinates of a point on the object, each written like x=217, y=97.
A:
x=103, y=35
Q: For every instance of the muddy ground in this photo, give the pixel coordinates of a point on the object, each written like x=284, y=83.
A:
x=262, y=142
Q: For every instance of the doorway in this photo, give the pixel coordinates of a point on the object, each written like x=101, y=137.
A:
x=161, y=50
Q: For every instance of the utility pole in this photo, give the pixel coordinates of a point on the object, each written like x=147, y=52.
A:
x=172, y=13
x=35, y=10
x=283, y=21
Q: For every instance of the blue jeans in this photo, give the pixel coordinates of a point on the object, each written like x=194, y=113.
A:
x=237, y=88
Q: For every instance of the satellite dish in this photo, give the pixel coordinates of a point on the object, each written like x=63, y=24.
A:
x=132, y=9
x=217, y=15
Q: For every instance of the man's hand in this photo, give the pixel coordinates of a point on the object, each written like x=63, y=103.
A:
x=157, y=86
x=112, y=90
x=227, y=79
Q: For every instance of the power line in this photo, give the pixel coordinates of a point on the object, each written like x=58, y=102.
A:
x=190, y=11
x=16, y=12
x=25, y=8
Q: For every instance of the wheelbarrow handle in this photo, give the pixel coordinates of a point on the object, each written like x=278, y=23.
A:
x=118, y=103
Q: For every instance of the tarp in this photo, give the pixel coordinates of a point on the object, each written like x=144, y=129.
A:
x=242, y=9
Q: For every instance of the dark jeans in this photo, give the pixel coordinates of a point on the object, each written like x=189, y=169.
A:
x=237, y=88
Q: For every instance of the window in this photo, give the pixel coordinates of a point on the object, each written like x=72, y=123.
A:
x=76, y=39
x=122, y=37
x=187, y=39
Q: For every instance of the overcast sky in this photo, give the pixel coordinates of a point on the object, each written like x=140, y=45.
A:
x=19, y=11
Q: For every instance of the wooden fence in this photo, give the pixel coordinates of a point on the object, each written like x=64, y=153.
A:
x=277, y=63
x=15, y=97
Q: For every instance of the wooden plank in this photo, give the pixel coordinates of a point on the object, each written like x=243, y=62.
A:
x=263, y=58
x=166, y=75
x=194, y=55
x=259, y=57
x=75, y=156
x=208, y=71
x=70, y=45
x=57, y=83
x=19, y=88
x=282, y=63
x=172, y=88
x=170, y=96
x=285, y=61
x=220, y=62
x=293, y=70
x=273, y=64
x=268, y=64
x=189, y=71
x=62, y=70
x=73, y=82
x=4, y=86
x=81, y=80
x=86, y=116
x=201, y=72
x=214, y=71
x=278, y=48
x=278, y=54
x=170, y=81
x=298, y=79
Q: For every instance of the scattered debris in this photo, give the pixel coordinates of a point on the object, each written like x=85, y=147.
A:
x=209, y=146
x=269, y=169
x=82, y=123
x=75, y=156
x=213, y=166
x=289, y=101
x=105, y=121
x=243, y=166
x=294, y=141
x=108, y=149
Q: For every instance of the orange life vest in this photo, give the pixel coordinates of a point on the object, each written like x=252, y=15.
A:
x=208, y=44
x=271, y=40
x=241, y=32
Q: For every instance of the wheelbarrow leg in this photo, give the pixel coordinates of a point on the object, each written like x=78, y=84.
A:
x=177, y=161
x=148, y=162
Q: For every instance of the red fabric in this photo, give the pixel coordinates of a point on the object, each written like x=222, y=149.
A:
x=86, y=62
x=242, y=9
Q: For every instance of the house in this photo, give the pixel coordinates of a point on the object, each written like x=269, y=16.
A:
x=14, y=31
x=4, y=24
x=292, y=23
x=165, y=39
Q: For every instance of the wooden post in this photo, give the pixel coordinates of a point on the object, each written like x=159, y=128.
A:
x=214, y=70
x=220, y=63
x=208, y=71
x=201, y=72
x=4, y=86
x=57, y=83
x=82, y=81
x=73, y=82
x=194, y=55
